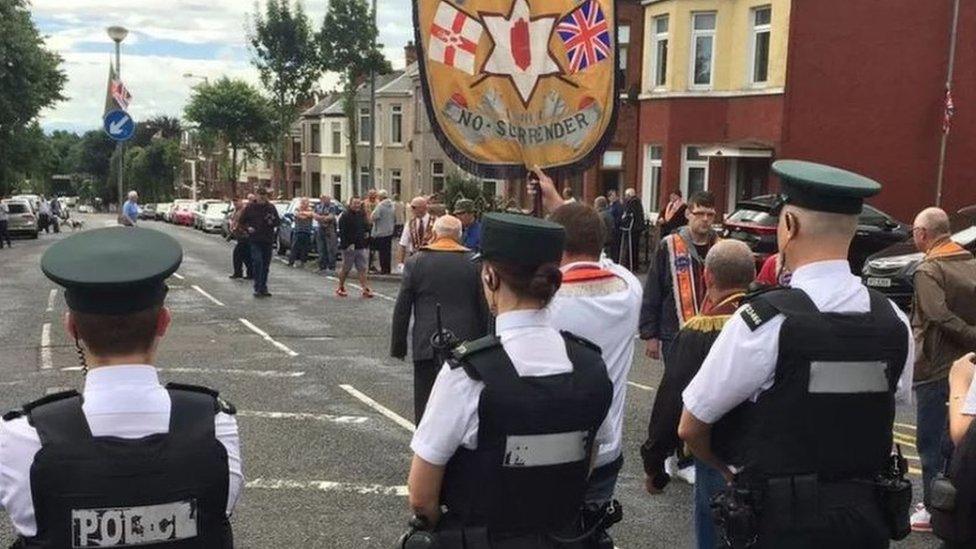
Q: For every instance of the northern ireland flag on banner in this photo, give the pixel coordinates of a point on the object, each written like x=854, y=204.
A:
x=117, y=96
x=454, y=38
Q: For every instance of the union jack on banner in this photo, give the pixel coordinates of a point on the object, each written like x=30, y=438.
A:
x=586, y=35
x=950, y=110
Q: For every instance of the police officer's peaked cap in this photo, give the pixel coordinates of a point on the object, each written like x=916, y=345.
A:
x=823, y=188
x=521, y=239
x=113, y=271
x=464, y=205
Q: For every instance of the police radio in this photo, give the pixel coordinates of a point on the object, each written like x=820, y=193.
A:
x=896, y=495
x=419, y=536
x=443, y=340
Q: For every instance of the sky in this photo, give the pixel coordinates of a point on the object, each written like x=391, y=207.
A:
x=167, y=39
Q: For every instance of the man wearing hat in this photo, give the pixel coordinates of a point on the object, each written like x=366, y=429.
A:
x=798, y=392
x=128, y=462
x=512, y=423
x=471, y=227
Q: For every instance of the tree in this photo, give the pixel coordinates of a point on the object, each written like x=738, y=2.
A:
x=234, y=111
x=165, y=127
x=347, y=40
x=91, y=157
x=30, y=80
x=285, y=52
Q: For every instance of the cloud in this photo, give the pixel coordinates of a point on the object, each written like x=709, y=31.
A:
x=167, y=39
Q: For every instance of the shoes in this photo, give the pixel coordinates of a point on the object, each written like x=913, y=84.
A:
x=262, y=294
x=685, y=474
x=235, y=276
x=367, y=293
x=921, y=520
x=248, y=277
x=341, y=292
x=291, y=263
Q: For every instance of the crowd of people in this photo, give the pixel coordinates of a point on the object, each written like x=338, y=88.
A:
x=777, y=401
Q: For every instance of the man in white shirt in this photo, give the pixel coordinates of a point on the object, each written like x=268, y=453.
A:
x=598, y=300
x=419, y=231
x=801, y=384
x=130, y=462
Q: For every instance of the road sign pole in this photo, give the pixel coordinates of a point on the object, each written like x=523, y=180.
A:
x=121, y=145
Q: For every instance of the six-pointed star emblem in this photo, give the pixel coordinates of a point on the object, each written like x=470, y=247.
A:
x=521, y=47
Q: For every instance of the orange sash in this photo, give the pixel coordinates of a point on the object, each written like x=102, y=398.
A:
x=682, y=279
x=586, y=274
x=948, y=248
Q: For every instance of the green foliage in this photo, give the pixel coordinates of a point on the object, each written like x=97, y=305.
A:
x=458, y=185
x=152, y=170
x=157, y=127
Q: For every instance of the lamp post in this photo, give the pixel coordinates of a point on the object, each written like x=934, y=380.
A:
x=193, y=163
x=373, y=122
x=118, y=34
x=205, y=79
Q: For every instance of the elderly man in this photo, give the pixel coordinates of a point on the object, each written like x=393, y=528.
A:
x=418, y=232
x=326, y=213
x=383, y=219
x=944, y=324
x=471, y=233
x=440, y=273
x=729, y=269
x=130, y=210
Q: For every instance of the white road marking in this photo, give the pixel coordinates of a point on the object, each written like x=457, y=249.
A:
x=178, y=276
x=327, y=486
x=50, y=300
x=396, y=418
x=206, y=295
x=230, y=371
x=639, y=386
x=46, y=362
x=266, y=337
x=329, y=418
x=360, y=288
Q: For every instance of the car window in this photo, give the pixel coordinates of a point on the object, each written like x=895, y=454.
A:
x=755, y=217
x=965, y=237
x=15, y=208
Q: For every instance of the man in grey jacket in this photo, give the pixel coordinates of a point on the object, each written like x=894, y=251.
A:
x=441, y=273
x=383, y=219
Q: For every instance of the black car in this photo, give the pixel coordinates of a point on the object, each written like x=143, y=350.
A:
x=891, y=270
x=752, y=223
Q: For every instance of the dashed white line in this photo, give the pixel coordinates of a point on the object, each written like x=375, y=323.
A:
x=50, y=300
x=327, y=418
x=46, y=362
x=390, y=414
x=230, y=371
x=327, y=486
x=267, y=337
x=178, y=276
x=640, y=386
x=206, y=295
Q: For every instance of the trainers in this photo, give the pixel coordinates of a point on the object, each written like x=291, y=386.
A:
x=685, y=474
x=367, y=293
x=921, y=519
x=341, y=292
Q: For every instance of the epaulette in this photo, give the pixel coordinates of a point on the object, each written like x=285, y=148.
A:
x=757, y=312
x=26, y=408
x=582, y=341
x=469, y=348
x=222, y=405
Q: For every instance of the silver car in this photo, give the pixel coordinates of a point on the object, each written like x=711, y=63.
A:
x=21, y=218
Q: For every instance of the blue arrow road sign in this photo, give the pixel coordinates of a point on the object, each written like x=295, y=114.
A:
x=119, y=125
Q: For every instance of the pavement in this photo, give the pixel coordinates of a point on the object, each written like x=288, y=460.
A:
x=325, y=413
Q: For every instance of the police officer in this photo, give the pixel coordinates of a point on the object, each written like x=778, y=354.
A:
x=802, y=382
x=511, y=427
x=128, y=462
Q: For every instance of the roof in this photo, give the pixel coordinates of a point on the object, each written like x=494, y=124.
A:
x=382, y=80
x=401, y=84
x=323, y=105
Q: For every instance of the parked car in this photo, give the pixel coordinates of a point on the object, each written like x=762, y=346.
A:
x=33, y=199
x=179, y=204
x=163, y=209
x=21, y=218
x=183, y=215
x=285, y=234
x=200, y=210
x=753, y=223
x=147, y=211
x=891, y=271
x=225, y=226
x=214, y=216
x=85, y=209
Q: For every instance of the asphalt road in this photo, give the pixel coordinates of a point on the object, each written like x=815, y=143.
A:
x=324, y=411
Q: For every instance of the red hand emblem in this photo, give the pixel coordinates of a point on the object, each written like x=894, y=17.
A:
x=521, y=48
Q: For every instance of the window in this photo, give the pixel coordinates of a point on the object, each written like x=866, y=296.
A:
x=316, y=138
x=379, y=178
x=316, y=184
x=337, y=187
x=491, y=186
x=703, y=49
x=396, y=181
x=396, y=124
x=613, y=160
x=623, y=43
x=761, y=19
x=653, y=169
x=337, y=138
x=365, y=125
x=364, y=177
x=659, y=51
x=694, y=171
x=437, y=175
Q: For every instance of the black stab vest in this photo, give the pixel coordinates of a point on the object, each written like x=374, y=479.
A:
x=831, y=407
x=166, y=491
x=535, y=439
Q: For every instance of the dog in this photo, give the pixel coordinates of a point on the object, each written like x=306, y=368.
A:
x=75, y=224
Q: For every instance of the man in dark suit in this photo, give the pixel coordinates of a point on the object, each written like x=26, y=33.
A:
x=441, y=273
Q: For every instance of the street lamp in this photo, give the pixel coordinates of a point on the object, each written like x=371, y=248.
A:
x=118, y=34
x=191, y=75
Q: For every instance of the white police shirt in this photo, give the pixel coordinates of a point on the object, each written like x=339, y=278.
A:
x=610, y=321
x=451, y=418
x=742, y=362
x=119, y=401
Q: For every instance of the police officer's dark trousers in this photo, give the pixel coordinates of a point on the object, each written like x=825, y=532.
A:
x=260, y=265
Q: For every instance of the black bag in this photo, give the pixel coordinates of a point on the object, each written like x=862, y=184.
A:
x=954, y=519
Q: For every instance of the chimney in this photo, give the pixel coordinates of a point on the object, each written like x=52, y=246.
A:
x=410, y=53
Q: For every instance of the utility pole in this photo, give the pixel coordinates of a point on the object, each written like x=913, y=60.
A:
x=948, y=89
x=373, y=122
x=118, y=34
